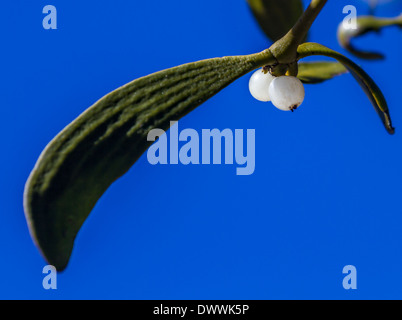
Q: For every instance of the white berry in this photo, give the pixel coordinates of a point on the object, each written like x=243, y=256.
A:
x=286, y=92
x=259, y=85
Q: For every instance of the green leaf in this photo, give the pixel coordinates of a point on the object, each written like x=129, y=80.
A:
x=365, y=24
x=276, y=17
x=85, y=158
x=368, y=85
x=319, y=71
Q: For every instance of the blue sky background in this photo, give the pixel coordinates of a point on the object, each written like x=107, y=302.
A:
x=326, y=191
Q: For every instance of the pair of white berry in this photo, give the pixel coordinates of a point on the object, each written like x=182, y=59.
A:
x=285, y=92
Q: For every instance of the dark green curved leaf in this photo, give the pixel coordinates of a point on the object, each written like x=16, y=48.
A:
x=368, y=85
x=276, y=17
x=319, y=71
x=85, y=158
x=365, y=24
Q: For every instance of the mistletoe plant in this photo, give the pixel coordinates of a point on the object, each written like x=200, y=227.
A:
x=364, y=25
x=98, y=147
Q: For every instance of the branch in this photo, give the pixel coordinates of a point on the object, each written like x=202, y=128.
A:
x=285, y=49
